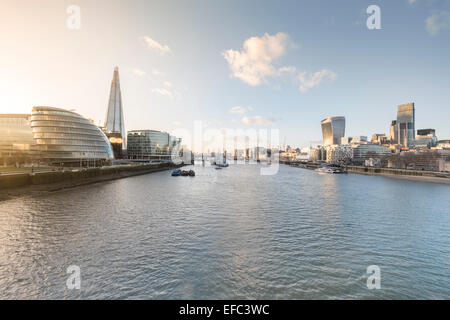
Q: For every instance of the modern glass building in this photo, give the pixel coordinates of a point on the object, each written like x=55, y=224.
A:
x=16, y=139
x=65, y=137
x=406, y=119
x=114, y=123
x=150, y=144
x=333, y=130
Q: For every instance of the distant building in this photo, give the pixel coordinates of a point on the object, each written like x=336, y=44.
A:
x=406, y=119
x=339, y=153
x=443, y=144
x=364, y=152
x=426, y=160
x=114, y=123
x=346, y=140
x=378, y=138
x=333, y=129
x=151, y=145
x=426, y=138
x=359, y=139
x=65, y=137
x=394, y=132
x=16, y=139
x=319, y=154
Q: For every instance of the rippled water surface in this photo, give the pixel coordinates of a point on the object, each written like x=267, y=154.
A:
x=230, y=234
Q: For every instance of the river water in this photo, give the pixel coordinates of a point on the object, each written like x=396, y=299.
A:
x=230, y=234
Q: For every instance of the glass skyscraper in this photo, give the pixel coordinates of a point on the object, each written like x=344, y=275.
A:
x=114, y=123
x=333, y=129
x=406, y=119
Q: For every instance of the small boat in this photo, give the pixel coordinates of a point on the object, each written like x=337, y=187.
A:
x=191, y=173
x=329, y=169
x=184, y=173
x=176, y=173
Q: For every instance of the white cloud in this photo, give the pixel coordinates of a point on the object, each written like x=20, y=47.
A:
x=176, y=123
x=254, y=64
x=156, y=72
x=163, y=92
x=437, y=22
x=311, y=80
x=138, y=72
x=167, y=84
x=289, y=69
x=151, y=44
x=258, y=120
x=238, y=110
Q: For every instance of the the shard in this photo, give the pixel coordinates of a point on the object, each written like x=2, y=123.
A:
x=114, y=124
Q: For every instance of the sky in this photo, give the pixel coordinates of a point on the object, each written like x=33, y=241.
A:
x=282, y=65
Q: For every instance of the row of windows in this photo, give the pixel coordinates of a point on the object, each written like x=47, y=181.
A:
x=87, y=131
x=60, y=124
x=75, y=155
x=72, y=148
x=61, y=113
x=60, y=118
x=70, y=142
x=68, y=136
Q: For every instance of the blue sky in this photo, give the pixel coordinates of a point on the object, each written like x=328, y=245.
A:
x=172, y=57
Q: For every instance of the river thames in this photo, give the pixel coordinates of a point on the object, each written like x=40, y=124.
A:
x=230, y=234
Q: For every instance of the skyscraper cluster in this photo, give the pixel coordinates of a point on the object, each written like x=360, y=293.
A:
x=402, y=138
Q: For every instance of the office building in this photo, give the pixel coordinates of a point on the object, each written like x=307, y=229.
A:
x=359, y=139
x=16, y=139
x=346, y=140
x=393, y=130
x=114, y=123
x=443, y=144
x=333, y=130
x=406, y=124
x=319, y=154
x=151, y=145
x=66, y=138
x=339, y=154
x=366, y=151
x=426, y=139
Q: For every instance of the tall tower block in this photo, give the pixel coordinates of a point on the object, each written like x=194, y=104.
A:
x=114, y=123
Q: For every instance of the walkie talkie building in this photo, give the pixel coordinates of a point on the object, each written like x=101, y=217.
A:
x=333, y=129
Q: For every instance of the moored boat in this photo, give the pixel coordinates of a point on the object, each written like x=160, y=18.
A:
x=330, y=169
x=184, y=173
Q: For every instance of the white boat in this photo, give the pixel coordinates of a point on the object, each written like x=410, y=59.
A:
x=331, y=170
x=324, y=170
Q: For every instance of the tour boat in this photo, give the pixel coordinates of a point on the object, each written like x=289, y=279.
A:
x=331, y=170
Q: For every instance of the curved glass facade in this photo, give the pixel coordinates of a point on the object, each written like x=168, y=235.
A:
x=64, y=136
x=333, y=129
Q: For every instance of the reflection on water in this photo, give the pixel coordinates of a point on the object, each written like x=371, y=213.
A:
x=230, y=234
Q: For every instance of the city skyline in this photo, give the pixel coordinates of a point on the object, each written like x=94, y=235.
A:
x=171, y=77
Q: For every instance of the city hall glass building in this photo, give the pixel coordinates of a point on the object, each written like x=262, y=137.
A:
x=65, y=137
x=150, y=145
x=333, y=129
